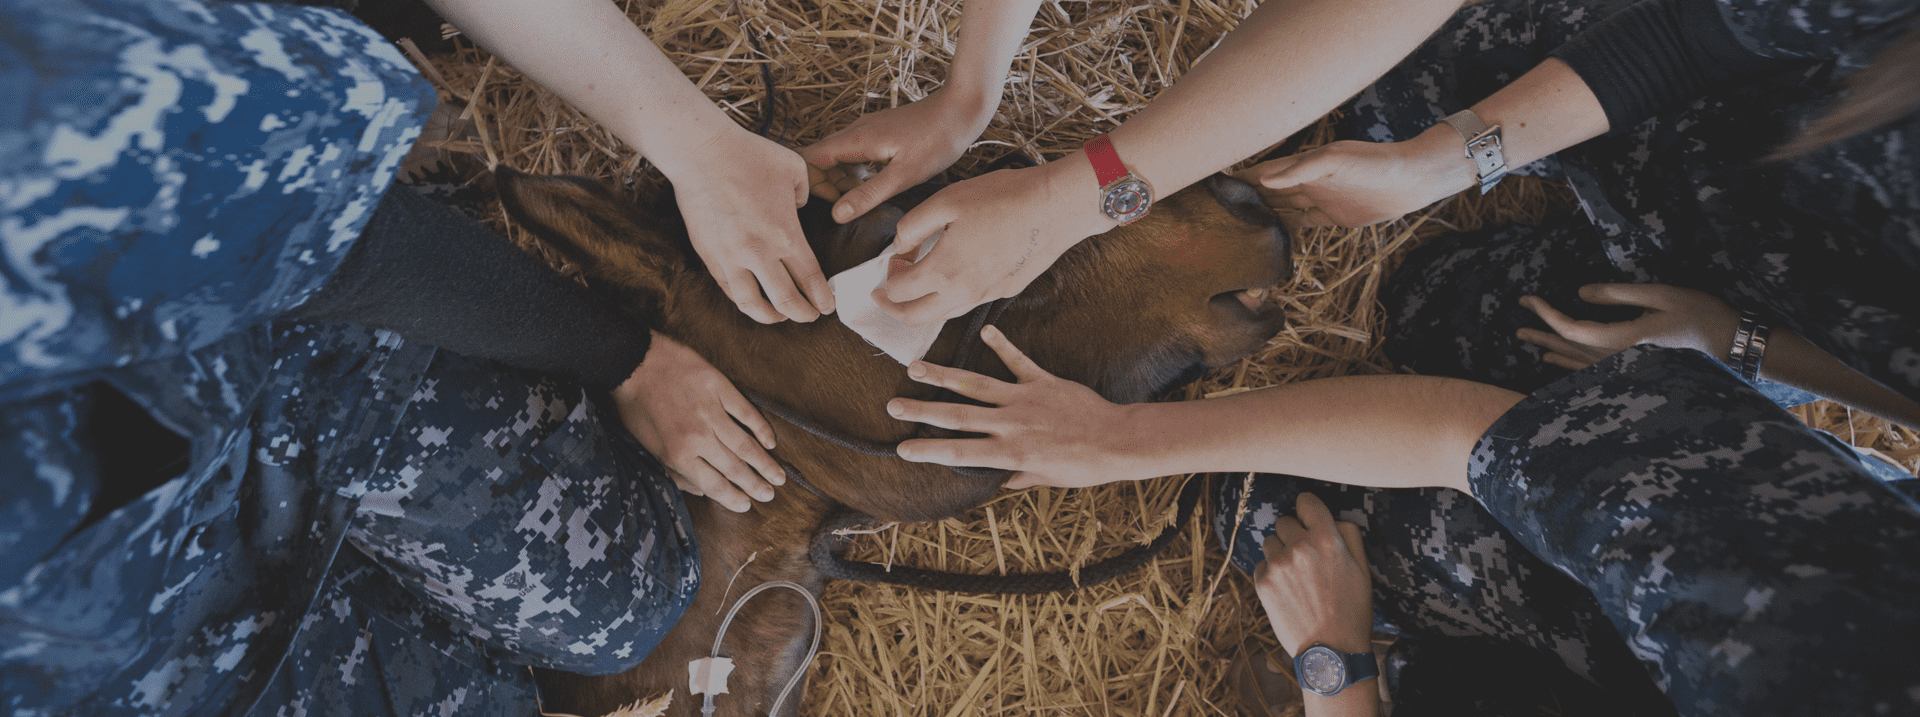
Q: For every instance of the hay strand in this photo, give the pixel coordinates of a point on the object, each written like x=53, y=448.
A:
x=1160, y=641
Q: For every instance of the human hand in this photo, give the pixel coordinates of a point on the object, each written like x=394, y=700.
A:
x=736, y=208
x=684, y=411
x=1026, y=429
x=916, y=141
x=1314, y=584
x=1352, y=184
x=1675, y=318
x=1001, y=231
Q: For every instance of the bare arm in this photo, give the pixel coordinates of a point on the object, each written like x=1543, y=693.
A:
x=1678, y=317
x=1354, y=183
x=1388, y=431
x=1795, y=362
x=1286, y=65
x=737, y=190
x=1283, y=68
x=921, y=139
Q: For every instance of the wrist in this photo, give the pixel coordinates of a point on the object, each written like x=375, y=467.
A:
x=971, y=101
x=687, y=149
x=1329, y=676
x=1131, y=453
x=1438, y=157
x=1074, y=190
x=1343, y=639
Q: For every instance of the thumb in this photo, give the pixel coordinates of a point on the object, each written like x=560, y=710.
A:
x=878, y=188
x=1641, y=295
x=1294, y=171
x=1258, y=174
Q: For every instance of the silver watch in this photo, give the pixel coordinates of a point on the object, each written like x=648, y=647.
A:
x=1483, y=147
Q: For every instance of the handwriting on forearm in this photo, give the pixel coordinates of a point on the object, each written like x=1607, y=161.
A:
x=1033, y=242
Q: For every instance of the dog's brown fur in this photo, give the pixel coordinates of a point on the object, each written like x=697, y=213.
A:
x=1130, y=313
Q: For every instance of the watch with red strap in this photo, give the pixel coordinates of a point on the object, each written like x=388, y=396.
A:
x=1124, y=196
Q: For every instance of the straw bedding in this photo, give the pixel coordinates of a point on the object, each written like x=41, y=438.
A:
x=1158, y=642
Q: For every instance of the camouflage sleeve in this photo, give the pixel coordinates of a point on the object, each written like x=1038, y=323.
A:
x=1850, y=31
x=172, y=171
x=1751, y=562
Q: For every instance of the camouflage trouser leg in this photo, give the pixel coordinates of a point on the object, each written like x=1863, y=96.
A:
x=1444, y=568
x=370, y=649
x=508, y=526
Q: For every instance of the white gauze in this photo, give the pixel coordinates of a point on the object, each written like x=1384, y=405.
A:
x=853, y=302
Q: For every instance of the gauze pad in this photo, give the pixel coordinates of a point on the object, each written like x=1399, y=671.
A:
x=853, y=302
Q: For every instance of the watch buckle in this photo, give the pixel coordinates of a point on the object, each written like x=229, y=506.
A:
x=1488, y=155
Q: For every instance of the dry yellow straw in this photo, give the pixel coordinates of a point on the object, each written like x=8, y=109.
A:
x=1161, y=641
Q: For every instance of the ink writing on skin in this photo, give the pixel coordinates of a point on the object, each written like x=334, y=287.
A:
x=1033, y=242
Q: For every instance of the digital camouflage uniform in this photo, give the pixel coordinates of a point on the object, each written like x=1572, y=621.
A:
x=363, y=524
x=1652, y=504
x=1827, y=245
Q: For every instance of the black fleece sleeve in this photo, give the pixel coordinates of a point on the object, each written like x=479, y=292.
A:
x=1659, y=54
x=436, y=276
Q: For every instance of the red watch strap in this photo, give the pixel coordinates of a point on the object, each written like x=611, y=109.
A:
x=1107, y=166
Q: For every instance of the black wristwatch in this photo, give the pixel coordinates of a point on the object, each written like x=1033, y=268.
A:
x=1325, y=671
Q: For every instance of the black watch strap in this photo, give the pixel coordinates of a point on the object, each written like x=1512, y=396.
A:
x=1308, y=669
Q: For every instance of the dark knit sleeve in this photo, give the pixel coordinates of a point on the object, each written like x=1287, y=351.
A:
x=1659, y=54
x=436, y=276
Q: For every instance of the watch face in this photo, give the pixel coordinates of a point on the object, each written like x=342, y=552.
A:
x=1322, y=670
x=1126, y=199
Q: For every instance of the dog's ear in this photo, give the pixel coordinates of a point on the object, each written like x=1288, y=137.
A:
x=615, y=244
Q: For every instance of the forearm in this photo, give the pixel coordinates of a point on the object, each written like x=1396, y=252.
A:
x=1387, y=431
x=590, y=54
x=1544, y=111
x=1285, y=66
x=991, y=32
x=1796, y=362
x=1361, y=700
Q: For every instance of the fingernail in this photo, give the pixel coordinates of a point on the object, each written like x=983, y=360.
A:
x=763, y=496
x=917, y=369
x=842, y=212
x=894, y=408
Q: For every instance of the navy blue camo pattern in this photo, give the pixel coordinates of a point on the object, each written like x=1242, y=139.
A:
x=1826, y=245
